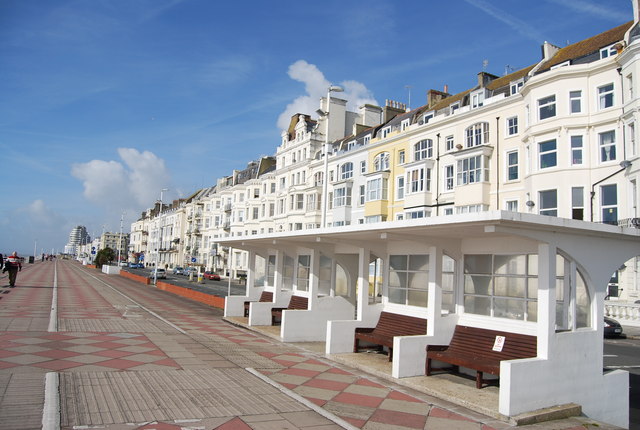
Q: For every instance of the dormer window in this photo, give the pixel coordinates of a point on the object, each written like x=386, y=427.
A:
x=427, y=117
x=404, y=125
x=608, y=51
x=351, y=145
x=367, y=139
x=477, y=99
x=381, y=162
x=454, y=107
x=515, y=87
x=386, y=131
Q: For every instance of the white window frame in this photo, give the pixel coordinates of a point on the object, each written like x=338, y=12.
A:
x=545, y=104
x=550, y=210
x=511, y=166
x=381, y=162
x=607, y=150
x=342, y=197
x=606, y=96
x=516, y=86
x=400, y=187
x=423, y=150
x=449, y=177
x=477, y=134
x=575, y=96
x=346, y=171
x=418, y=180
x=547, y=153
x=449, y=143
x=576, y=144
x=512, y=125
x=472, y=170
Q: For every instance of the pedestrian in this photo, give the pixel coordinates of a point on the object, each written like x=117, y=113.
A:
x=13, y=266
x=1, y=262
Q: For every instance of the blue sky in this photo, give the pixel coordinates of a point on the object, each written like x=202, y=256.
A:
x=105, y=102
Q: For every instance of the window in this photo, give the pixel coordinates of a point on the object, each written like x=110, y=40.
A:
x=577, y=203
x=312, y=202
x=448, y=177
x=419, y=180
x=477, y=100
x=576, y=150
x=317, y=179
x=512, y=165
x=449, y=143
x=454, y=107
x=381, y=162
x=422, y=213
x=376, y=189
x=575, y=101
x=404, y=125
x=605, y=96
x=362, y=194
x=477, y=134
x=503, y=286
x=400, y=157
x=298, y=203
x=631, y=132
x=548, y=202
x=548, y=154
x=609, y=203
x=303, y=272
x=607, y=146
x=629, y=82
x=400, y=187
x=511, y=205
x=385, y=132
x=367, y=139
x=512, y=125
x=607, y=51
x=547, y=107
x=342, y=197
x=409, y=279
x=423, y=150
x=471, y=170
x=515, y=87
x=427, y=117
x=346, y=171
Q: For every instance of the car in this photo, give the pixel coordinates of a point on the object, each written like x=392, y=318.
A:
x=190, y=270
x=612, y=327
x=178, y=270
x=212, y=276
x=158, y=274
x=136, y=265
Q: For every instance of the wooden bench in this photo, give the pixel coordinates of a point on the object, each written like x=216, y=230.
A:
x=388, y=326
x=266, y=296
x=481, y=350
x=295, y=303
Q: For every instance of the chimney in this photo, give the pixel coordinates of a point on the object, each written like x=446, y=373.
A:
x=435, y=96
x=484, y=78
x=548, y=50
x=393, y=108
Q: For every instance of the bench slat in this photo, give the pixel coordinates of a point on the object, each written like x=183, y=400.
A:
x=390, y=325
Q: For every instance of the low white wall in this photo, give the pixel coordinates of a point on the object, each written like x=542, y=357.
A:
x=234, y=306
x=340, y=333
x=311, y=325
x=535, y=383
x=110, y=270
x=410, y=352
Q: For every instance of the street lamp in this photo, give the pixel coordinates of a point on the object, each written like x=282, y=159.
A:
x=325, y=180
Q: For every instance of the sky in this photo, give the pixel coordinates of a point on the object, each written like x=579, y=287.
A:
x=104, y=103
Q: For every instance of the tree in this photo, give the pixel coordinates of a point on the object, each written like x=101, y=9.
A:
x=104, y=256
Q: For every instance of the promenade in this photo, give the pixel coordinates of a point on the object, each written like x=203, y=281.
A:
x=80, y=349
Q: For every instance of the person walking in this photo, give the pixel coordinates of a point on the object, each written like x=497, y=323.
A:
x=13, y=266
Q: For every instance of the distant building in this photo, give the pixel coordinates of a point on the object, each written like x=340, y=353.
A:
x=77, y=237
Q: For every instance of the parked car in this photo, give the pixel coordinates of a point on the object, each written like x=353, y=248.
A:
x=158, y=274
x=612, y=327
x=190, y=270
x=212, y=276
x=178, y=270
x=136, y=265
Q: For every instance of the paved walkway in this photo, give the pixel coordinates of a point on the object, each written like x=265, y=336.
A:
x=129, y=356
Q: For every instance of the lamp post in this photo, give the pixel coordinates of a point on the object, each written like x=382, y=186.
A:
x=120, y=238
x=325, y=179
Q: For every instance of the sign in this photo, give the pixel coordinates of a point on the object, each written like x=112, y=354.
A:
x=141, y=257
x=93, y=252
x=193, y=260
x=498, y=344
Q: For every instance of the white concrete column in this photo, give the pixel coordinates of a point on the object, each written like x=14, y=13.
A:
x=277, y=276
x=435, y=288
x=314, y=277
x=251, y=272
x=362, y=286
x=546, y=298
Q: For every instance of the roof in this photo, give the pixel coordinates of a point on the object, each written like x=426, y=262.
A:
x=588, y=46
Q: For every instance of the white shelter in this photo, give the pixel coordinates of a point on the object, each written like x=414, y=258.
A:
x=514, y=272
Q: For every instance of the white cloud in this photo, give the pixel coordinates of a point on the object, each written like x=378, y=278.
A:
x=131, y=186
x=315, y=84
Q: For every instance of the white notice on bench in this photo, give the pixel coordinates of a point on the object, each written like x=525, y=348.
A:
x=498, y=344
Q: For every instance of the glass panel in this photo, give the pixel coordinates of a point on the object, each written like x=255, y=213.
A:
x=477, y=264
x=342, y=287
x=583, y=303
x=509, y=286
x=532, y=288
x=560, y=290
x=419, y=262
x=324, y=287
x=532, y=311
x=447, y=302
x=559, y=265
x=509, y=308
x=260, y=271
x=398, y=262
x=418, y=281
x=477, y=305
x=287, y=276
x=417, y=298
x=477, y=285
x=447, y=281
x=510, y=264
x=397, y=280
x=397, y=295
x=533, y=265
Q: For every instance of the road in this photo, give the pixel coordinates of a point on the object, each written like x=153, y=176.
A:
x=625, y=354
x=219, y=288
